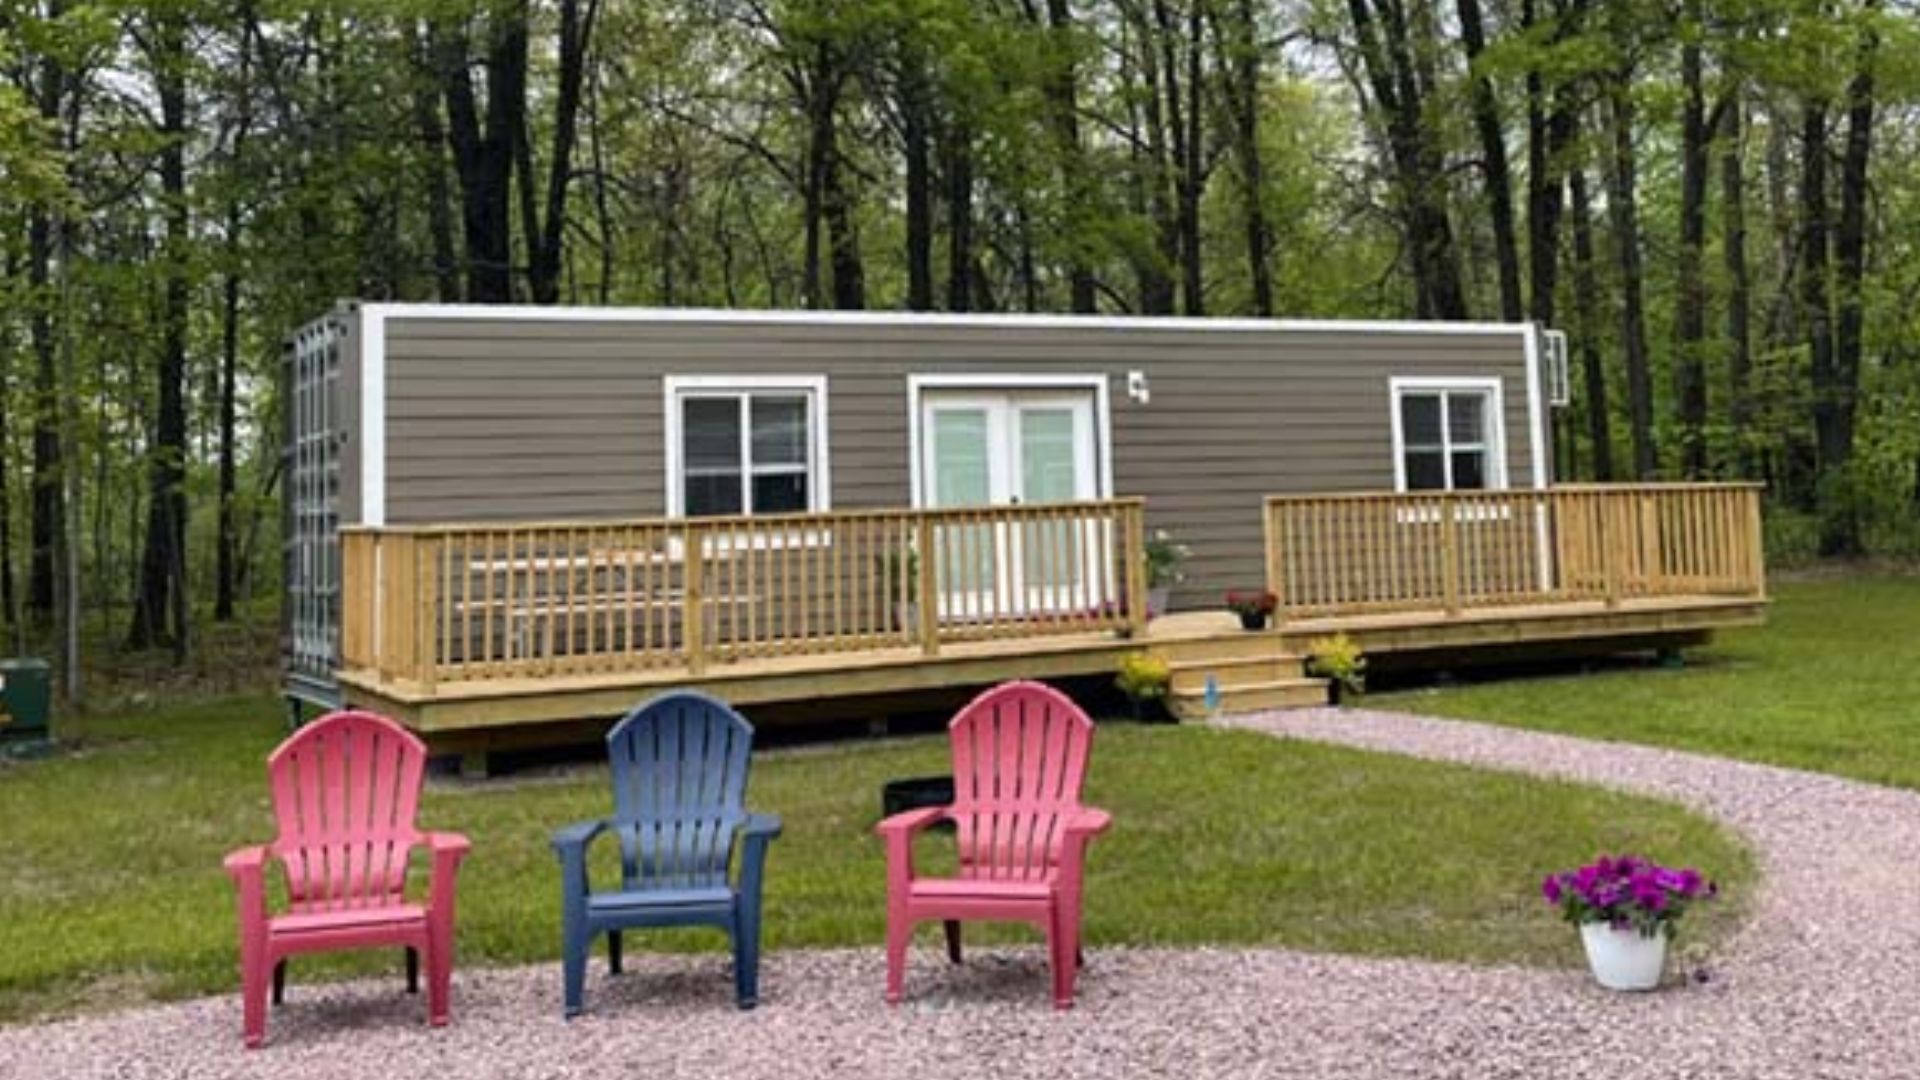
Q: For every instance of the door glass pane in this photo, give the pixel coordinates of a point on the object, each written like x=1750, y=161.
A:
x=1046, y=456
x=779, y=431
x=1049, y=550
x=1466, y=418
x=1420, y=420
x=960, y=467
x=967, y=554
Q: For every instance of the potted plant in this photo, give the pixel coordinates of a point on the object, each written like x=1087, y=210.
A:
x=1145, y=679
x=1252, y=607
x=900, y=570
x=1626, y=909
x=1166, y=562
x=1337, y=658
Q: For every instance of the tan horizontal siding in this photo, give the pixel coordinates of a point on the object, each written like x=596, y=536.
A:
x=498, y=420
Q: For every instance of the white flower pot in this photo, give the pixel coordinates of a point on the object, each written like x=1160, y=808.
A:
x=1624, y=959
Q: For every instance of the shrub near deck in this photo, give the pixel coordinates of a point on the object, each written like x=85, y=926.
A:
x=113, y=892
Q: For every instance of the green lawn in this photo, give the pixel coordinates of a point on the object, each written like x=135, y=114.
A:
x=1832, y=683
x=113, y=893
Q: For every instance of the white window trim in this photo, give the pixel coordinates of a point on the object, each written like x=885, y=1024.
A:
x=820, y=476
x=1400, y=386
x=918, y=385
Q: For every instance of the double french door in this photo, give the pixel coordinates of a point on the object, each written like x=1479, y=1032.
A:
x=987, y=448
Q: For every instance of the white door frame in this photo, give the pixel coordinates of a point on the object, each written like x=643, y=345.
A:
x=996, y=393
x=917, y=385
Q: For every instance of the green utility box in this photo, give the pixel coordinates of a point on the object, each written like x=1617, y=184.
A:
x=26, y=699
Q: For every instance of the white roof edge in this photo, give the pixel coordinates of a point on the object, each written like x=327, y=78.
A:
x=534, y=313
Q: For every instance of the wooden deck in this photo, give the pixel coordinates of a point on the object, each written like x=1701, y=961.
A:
x=481, y=634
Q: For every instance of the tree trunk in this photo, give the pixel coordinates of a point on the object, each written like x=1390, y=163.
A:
x=1624, y=213
x=1690, y=314
x=1062, y=92
x=1157, y=290
x=959, y=187
x=483, y=161
x=1191, y=172
x=1239, y=58
x=1398, y=82
x=1835, y=411
x=836, y=206
x=576, y=38
x=1586, y=294
x=1733, y=208
x=433, y=143
x=160, y=607
x=47, y=507
x=1493, y=163
x=917, y=150
x=1816, y=236
x=9, y=600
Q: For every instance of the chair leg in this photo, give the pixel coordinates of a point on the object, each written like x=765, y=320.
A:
x=1062, y=944
x=254, y=988
x=953, y=940
x=746, y=957
x=280, y=983
x=573, y=971
x=413, y=970
x=614, y=958
x=899, y=932
x=439, y=978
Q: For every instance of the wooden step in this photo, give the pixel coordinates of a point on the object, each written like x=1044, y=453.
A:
x=1251, y=698
x=1241, y=645
x=1190, y=676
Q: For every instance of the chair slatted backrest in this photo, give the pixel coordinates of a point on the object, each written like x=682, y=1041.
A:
x=679, y=782
x=1019, y=757
x=345, y=789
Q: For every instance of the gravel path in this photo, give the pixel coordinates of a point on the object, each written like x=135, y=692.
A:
x=1825, y=982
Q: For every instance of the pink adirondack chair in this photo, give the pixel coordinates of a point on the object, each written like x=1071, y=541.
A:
x=345, y=789
x=1019, y=756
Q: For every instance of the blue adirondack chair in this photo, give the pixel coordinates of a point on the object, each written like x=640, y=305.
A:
x=679, y=787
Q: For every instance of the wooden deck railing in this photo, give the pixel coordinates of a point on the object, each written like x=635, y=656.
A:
x=1360, y=554
x=498, y=601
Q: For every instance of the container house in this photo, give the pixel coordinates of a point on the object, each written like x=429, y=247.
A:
x=504, y=518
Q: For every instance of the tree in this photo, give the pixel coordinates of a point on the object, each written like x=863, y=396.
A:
x=161, y=603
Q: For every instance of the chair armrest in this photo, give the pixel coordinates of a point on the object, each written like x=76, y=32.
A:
x=756, y=836
x=247, y=862
x=447, y=850
x=577, y=836
x=446, y=845
x=1088, y=821
x=898, y=832
x=908, y=822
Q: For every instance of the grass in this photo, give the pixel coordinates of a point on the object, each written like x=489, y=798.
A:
x=113, y=893
x=1829, y=684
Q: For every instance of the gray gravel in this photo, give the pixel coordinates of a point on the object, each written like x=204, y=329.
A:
x=1824, y=982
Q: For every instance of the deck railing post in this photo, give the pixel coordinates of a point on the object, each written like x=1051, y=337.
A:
x=1650, y=542
x=693, y=607
x=1134, y=517
x=426, y=611
x=1611, y=544
x=1270, y=532
x=927, y=585
x=1450, y=554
